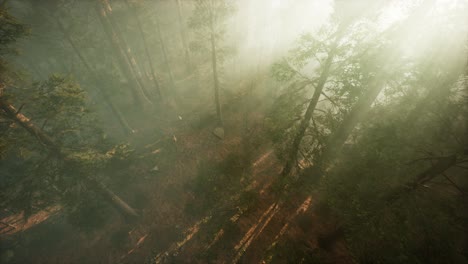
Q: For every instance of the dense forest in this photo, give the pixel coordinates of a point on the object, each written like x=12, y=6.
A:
x=222, y=131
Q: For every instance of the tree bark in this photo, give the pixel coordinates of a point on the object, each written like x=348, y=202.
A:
x=104, y=95
x=11, y=112
x=183, y=37
x=214, y=64
x=292, y=156
x=436, y=169
x=362, y=107
x=148, y=54
x=103, y=8
x=132, y=62
x=164, y=53
x=364, y=103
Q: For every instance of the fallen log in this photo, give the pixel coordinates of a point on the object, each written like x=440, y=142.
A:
x=55, y=149
x=439, y=167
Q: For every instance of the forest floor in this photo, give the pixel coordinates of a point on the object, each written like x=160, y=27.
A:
x=246, y=224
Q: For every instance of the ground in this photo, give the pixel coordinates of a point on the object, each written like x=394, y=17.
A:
x=178, y=224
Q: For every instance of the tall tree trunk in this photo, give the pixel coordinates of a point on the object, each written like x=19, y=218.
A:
x=127, y=50
x=214, y=64
x=104, y=95
x=11, y=112
x=145, y=44
x=358, y=112
x=339, y=137
x=364, y=103
x=183, y=36
x=164, y=53
x=292, y=156
x=439, y=167
x=103, y=8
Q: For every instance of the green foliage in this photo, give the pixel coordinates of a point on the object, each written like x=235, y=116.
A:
x=34, y=177
x=420, y=113
x=10, y=30
x=207, y=13
x=282, y=71
x=378, y=162
x=284, y=117
x=209, y=20
x=348, y=79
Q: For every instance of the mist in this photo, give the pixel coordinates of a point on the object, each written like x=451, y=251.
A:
x=222, y=131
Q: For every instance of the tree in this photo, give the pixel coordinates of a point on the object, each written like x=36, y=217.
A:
x=122, y=53
x=145, y=44
x=167, y=64
x=397, y=174
x=104, y=95
x=208, y=21
x=325, y=53
x=69, y=101
x=183, y=37
x=365, y=62
x=34, y=178
x=10, y=30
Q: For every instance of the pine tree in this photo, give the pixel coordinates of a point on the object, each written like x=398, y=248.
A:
x=208, y=21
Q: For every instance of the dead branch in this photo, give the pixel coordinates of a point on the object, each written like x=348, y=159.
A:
x=454, y=184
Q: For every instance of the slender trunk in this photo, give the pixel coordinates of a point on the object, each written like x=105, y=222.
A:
x=132, y=62
x=465, y=93
x=11, y=112
x=164, y=52
x=346, y=127
x=359, y=111
x=148, y=54
x=292, y=156
x=214, y=64
x=125, y=66
x=426, y=176
x=363, y=105
x=183, y=37
x=105, y=96
x=339, y=137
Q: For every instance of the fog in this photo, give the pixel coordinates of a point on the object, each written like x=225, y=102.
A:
x=233, y=131
x=264, y=30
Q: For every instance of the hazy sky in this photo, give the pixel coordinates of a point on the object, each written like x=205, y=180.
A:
x=264, y=30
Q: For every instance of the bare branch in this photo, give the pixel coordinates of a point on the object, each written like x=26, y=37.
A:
x=19, y=109
x=329, y=99
x=454, y=184
x=44, y=123
x=296, y=71
x=5, y=223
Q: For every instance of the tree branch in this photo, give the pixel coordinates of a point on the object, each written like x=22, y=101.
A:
x=329, y=99
x=454, y=184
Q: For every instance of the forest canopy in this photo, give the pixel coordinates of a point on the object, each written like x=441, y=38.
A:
x=248, y=131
